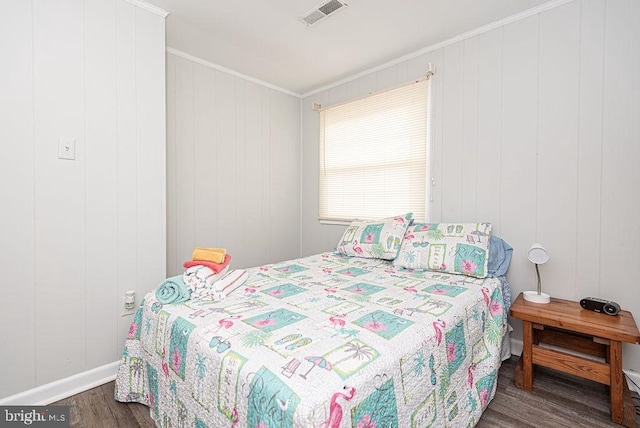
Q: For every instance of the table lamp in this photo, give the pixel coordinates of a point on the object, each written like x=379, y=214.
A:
x=537, y=255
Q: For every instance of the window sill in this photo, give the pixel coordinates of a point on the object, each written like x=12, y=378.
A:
x=335, y=222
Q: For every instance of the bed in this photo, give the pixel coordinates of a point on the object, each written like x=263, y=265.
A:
x=329, y=340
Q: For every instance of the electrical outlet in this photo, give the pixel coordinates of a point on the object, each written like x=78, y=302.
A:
x=128, y=303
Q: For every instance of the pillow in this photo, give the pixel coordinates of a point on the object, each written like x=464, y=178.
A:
x=499, y=257
x=461, y=248
x=379, y=239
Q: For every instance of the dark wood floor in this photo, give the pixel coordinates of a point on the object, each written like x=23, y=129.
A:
x=557, y=400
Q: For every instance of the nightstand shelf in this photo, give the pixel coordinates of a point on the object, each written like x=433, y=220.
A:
x=564, y=324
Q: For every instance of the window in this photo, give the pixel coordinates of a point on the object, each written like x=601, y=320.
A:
x=373, y=155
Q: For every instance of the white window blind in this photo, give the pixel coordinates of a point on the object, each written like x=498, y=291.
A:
x=373, y=155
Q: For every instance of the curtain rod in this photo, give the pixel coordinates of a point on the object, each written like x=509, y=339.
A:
x=431, y=71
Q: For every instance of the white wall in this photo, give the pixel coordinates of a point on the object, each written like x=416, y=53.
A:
x=77, y=234
x=233, y=166
x=536, y=130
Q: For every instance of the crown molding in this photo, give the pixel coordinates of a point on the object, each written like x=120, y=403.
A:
x=149, y=7
x=230, y=71
x=472, y=33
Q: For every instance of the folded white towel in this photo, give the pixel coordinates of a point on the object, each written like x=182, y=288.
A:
x=199, y=277
x=234, y=279
x=221, y=288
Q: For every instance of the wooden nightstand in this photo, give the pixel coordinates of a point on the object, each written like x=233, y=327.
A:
x=564, y=324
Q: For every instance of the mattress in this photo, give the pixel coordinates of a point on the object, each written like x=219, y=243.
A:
x=322, y=341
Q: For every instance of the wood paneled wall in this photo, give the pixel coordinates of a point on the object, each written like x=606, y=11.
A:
x=76, y=234
x=233, y=166
x=535, y=129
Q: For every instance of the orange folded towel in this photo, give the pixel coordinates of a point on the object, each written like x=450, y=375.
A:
x=216, y=267
x=214, y=255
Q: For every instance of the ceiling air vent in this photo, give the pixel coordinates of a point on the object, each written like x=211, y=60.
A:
x=322, y=11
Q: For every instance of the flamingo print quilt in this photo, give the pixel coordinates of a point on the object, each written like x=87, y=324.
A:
x=323, y=341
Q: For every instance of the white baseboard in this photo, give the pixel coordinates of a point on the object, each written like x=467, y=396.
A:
x=63, y=388
x=634, y=376
x=516, y=346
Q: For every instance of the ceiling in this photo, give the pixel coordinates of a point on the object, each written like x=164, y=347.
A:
x=267, y=41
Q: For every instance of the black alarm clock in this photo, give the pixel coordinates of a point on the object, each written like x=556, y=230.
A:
x=600, y=305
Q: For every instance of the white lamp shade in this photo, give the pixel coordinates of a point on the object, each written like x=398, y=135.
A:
x=538, y=254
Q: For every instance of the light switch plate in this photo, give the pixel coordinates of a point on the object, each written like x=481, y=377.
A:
x=67, y=148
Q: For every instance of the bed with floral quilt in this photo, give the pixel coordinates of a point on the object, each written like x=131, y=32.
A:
x=329, y=340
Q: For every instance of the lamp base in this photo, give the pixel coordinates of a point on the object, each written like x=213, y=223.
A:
x=534, y=297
